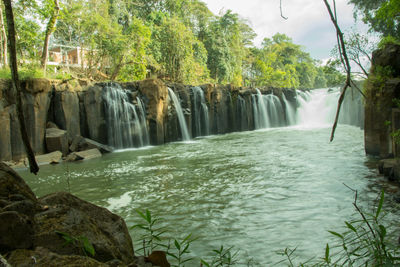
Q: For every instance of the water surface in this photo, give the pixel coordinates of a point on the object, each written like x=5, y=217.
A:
x=259, y=191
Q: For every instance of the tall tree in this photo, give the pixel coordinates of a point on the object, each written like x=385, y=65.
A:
x=55, y=11
x=3, y=39
x=34, y=168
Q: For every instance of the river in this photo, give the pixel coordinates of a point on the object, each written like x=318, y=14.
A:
x=259, y=191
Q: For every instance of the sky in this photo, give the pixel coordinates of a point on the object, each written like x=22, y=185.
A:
x=308, y=22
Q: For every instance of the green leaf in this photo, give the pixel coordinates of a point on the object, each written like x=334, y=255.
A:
x=327, y=253
x=336, y=234
x=382, y=231
x=185, y=249
x=205, y=263
x=172, y=255
x=351, y=227
x=87, y=246
x=378, y=211
x=177, y=245
x=141, y=214
x=148, y=216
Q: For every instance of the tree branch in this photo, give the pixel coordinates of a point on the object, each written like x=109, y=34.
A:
x=280, y=7
x=345, y=62
x=34, y=168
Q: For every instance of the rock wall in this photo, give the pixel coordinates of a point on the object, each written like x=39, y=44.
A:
x=382, y=89
x=81, y=109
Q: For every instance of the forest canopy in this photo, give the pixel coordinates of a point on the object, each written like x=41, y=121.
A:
x=177, y=40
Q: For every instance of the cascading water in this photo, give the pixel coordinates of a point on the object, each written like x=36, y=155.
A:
x=125, y=128
x=261, y=119
x=290, y=111
x=201, y=122
x=318, y=108
x=181, y=117
x=241, y=114
x=274, y=110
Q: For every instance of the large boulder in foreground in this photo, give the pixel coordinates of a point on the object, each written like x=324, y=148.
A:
x=35, y=227
x=106, y=231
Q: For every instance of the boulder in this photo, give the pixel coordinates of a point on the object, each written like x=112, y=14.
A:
x=12, y=185
x=57, y=140
x=16, y=231
x=51, y=124
x=50, y=158
x=80, y=143
x=88, y=154
x=106, y=231
x=44, y=258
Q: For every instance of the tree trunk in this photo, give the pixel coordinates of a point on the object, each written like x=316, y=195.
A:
x=16, y=85
x=4, y=39
x=49, y=30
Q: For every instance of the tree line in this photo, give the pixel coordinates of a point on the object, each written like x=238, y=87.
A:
x=178, y=40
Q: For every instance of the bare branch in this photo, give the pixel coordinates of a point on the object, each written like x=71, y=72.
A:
x=280, y=7
x=345, y=62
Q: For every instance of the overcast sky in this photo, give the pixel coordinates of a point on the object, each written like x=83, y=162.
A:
x=308, y=22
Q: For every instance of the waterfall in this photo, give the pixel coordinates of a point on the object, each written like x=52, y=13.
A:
x=143, y=122
x=181, y=117
x=274, y=110
x=261, y=119
x=290, y=111
x=201, y=122
x=241, y=114
x=125, y=128
x=319, y=106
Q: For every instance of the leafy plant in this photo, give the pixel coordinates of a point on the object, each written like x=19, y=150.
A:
x=222, y=257
x=152, y=237
x=80, y=242
x=181, y=248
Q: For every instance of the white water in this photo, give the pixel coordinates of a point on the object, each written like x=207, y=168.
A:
x=181, y=117
x=260, y=114
x=125, y=128
x=318, y=109
x=200, y=113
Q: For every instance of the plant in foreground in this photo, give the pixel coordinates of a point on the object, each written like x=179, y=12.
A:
x=222, y=257
x=80, y=242
x=363, y=243
x=152, y=237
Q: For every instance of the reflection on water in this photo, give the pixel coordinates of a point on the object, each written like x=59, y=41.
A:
x=259, y=191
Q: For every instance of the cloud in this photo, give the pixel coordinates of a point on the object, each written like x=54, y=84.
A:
x=308, y=22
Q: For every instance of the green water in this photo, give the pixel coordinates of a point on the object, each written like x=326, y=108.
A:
x=259, y=191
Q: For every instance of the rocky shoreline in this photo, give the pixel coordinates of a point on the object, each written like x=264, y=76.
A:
x=35, y=231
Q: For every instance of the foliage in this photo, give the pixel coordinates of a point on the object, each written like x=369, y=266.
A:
x=179, y=52
x=81, y=242
x=28, y=72
x=222, y=257
x=152, y=236
x=181, y=248
x=381, y=15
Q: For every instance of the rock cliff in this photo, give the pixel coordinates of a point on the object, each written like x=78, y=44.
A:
x=134, y=114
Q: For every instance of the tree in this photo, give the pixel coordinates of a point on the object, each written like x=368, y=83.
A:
x=381, y=15
x=34, y=168
x=53, y=9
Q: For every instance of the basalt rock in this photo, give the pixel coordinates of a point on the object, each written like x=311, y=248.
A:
x=30, y=228
x=57, y=140
x=106, y=231
x=155, y=97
